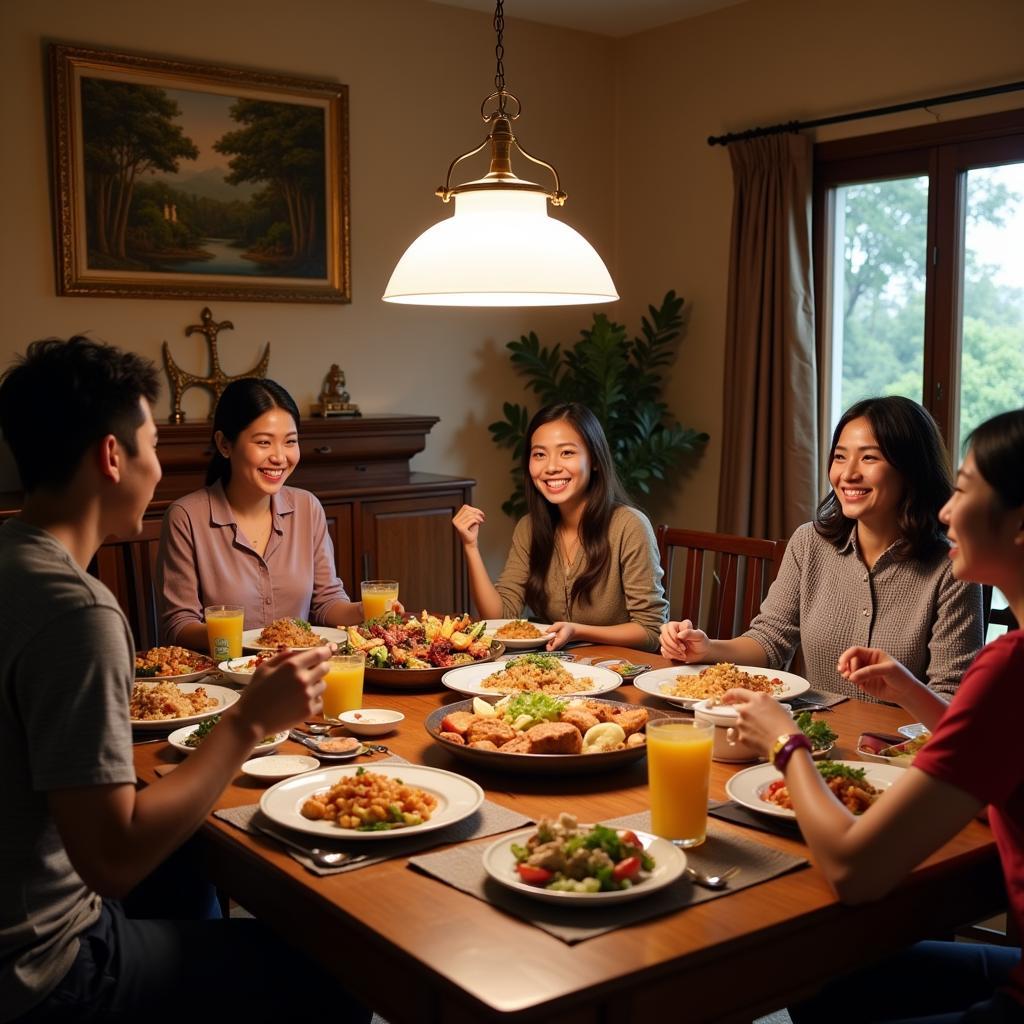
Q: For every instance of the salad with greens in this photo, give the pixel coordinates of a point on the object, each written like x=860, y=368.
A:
x=818, y=732
x=566, y=857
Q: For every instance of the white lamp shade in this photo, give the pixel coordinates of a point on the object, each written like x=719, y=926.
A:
x=500, y=248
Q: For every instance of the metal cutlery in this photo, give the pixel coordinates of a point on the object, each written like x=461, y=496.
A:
x=710, y=881
x=322, y=858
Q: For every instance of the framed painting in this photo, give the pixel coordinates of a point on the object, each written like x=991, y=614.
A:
x=183, y=180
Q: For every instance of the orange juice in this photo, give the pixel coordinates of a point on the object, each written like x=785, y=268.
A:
x=344, y=681
x=378, y=596
x=224, y=630
x=678, y=769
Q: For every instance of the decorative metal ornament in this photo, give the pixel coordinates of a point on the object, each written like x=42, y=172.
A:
x=334, y=399
x=181, y=380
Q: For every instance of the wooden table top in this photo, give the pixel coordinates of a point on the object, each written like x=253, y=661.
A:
x=420, y=951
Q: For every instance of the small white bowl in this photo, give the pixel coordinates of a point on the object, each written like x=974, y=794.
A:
x=279, y=766
x=371, y=721
x=233, y=669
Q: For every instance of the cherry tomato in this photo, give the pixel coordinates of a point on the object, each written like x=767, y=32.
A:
x=534, y=876
x=628, y=868
x=628, y=836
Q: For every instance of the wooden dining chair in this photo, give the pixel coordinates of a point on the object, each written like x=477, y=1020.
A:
x=128, y=568
x=716, y=565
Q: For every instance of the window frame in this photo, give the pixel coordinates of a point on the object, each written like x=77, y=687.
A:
x=944, y=152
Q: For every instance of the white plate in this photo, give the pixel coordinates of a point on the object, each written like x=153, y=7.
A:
x=336, y=636
x=652, y=682
x=178, y=737
x=457, y=798
x=224, y=697
x=469, y=679
x=279, y=766
x=235, y=669
x=745, y=787
x=669, y=862
x=493, y=625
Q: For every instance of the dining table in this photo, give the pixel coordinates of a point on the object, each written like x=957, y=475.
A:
x=420, y=951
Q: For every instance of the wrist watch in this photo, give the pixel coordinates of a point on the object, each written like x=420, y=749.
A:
x=783, y=748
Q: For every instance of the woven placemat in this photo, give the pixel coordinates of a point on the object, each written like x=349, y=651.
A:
x=822, y=697
x=462, y=868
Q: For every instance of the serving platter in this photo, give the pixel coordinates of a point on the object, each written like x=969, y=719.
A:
x=655, y=682
x=493, y=625
x=250, y=638
x=224, y=696
x=457, y=798
x=417, y=678
x=669, y=864
x=746, y=787
x=468, y=679
x=537, y=764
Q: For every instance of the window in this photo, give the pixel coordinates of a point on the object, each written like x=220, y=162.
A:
x=919, y=270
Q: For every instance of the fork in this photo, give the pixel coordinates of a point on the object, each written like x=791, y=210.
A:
x=322, y=858
x=711, y=881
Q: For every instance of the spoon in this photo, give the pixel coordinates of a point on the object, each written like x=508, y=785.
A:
x=322, y=858
x=313, y=742
x=710, y=881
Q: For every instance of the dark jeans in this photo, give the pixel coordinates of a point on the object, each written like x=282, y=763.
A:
x=929, y=983
x=164, y=956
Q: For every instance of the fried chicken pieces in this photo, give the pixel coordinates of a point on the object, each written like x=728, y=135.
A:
x=565, y=736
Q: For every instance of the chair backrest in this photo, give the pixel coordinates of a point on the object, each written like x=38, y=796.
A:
x=710, y=586
x=995, y=615
x=128, y=568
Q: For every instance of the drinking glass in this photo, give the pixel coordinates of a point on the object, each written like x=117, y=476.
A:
x=224, y=630
x=344, y=681
x=678, y=771
x=378, y=596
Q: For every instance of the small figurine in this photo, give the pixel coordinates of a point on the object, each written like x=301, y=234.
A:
x=334, y=399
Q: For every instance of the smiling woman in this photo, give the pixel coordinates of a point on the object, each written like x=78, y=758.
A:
x=872, y=569
x=246, y=538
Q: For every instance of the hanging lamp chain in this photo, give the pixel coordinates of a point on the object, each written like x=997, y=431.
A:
x=499, y=53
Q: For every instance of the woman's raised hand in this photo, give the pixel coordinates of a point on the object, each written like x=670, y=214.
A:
x=467, y=524
x=681, y=642
x=876, y=673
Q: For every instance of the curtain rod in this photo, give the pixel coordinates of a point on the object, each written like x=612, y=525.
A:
x=795, y=126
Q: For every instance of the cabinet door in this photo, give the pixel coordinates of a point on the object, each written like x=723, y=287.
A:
x=412, y=540
x=339, y=526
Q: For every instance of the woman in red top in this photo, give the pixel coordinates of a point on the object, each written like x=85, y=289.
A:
x=971, y=762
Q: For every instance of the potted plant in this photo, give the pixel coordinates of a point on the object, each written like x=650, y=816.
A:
x=620, y=380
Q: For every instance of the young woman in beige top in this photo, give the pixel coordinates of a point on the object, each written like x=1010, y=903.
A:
x=582, y=558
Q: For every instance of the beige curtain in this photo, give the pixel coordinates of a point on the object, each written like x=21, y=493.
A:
x=768, y=482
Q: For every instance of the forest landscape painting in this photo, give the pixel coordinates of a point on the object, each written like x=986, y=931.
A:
x=187, y=180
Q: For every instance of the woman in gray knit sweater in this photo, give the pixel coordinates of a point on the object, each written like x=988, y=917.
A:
x=872, y=570
x=583, y=558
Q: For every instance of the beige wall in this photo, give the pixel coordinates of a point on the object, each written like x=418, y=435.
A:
x=655, y=200
x=764, y=62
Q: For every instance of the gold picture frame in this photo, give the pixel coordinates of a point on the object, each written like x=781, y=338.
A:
x=180, y=180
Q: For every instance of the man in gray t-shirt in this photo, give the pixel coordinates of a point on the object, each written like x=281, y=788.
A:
x=77, y=835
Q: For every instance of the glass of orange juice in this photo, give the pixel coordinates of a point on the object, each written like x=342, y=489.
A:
x=344, y=681
x=378, y=596
x=678, y=770
x=224, y=630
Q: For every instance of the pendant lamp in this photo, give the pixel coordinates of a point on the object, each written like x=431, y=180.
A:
x=500, y=247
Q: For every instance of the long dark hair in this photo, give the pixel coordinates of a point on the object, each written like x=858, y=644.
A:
x=242, y=402
x=911, y=443
x=998, y=446
x=604, y=494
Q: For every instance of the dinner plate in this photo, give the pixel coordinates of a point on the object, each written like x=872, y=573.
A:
x=537, y=764
x=250, y=638
x=417, y=678
x=178, y=737
x=745, y=787
x=493, y=625
x=183, y=677
x=653, y=682
x=457, y=798
x=469, y=679
x=669, y=863
x=224, y=696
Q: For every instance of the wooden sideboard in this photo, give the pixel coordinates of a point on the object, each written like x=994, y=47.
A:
x=386, y=522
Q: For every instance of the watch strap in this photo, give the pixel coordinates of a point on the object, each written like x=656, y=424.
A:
x=784, y=748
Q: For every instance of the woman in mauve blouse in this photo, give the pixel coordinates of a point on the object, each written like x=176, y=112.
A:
x=246, y=539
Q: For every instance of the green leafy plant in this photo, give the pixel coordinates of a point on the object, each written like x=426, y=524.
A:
x=620, y=381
